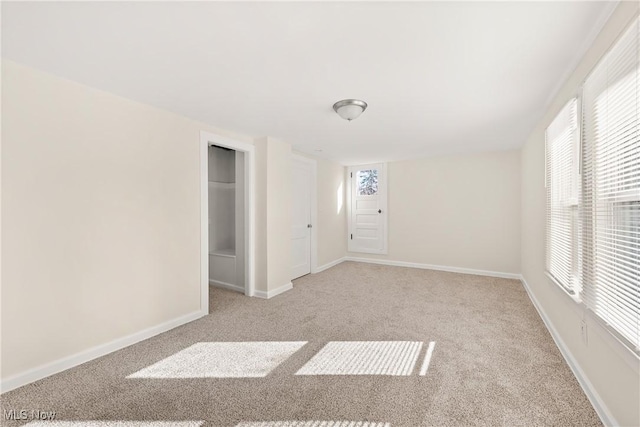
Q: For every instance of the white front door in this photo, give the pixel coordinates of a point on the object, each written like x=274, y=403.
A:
x=301, y=218
x=368, y=209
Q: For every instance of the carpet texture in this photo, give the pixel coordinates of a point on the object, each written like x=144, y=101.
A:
x=493, y=363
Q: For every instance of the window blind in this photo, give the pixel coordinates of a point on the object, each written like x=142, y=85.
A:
x=610, y=205
x=562, y=197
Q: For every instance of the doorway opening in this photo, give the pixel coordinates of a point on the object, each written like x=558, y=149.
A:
x=226, y=218
x=227, y=215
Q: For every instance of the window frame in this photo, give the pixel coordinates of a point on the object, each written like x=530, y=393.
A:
x=629, y=351
x=573, y=291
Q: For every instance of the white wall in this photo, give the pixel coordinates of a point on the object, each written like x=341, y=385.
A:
x=100, y=217
x=611, y=369
x=459, y=211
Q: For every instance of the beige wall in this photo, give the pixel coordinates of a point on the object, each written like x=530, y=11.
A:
x=261, y=220
x=278, y=214
x=611, y=369
x=458, y=211
x=332, y=217
x=100, y=217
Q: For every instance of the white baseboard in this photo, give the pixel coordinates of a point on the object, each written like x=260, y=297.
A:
x=225, y=285
x=329, y=265
x=74, y=360
x=435, y=267
x=601, y=409
x=274, y=292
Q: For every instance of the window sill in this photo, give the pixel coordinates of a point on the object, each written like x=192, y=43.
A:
x=574, y=297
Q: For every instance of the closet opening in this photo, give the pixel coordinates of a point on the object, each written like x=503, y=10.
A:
x=227, y=216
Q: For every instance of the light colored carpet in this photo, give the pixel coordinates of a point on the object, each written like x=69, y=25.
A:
x=222, y=360
x=493, y=363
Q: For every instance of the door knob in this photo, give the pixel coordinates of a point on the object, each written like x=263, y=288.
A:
x=308, y=225
x=379, y=210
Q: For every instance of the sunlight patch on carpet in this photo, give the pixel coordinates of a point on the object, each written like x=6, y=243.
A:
x=427, y=358
x=253, y=359
x=364, y=358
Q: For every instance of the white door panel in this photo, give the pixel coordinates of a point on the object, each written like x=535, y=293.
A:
x=367, y=205
x=301, y=219
x=368, y=209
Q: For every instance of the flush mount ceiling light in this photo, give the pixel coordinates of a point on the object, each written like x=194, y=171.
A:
x=350, y=109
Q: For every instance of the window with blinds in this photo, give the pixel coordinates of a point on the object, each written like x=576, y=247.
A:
x=610, y=196
x=562, y=157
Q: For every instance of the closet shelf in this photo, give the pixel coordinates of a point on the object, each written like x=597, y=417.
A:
x=216, y=184
x=230, y=253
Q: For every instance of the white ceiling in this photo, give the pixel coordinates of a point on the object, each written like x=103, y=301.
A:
x=439, y=77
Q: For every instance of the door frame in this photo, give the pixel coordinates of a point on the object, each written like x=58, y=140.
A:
x=207, y=139
x=313, y=196
x=384, y=199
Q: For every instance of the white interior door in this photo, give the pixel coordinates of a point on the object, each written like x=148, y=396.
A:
x=301, y=218
x=368, y=209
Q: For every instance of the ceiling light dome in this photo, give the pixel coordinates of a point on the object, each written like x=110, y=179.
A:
x=350, y=109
